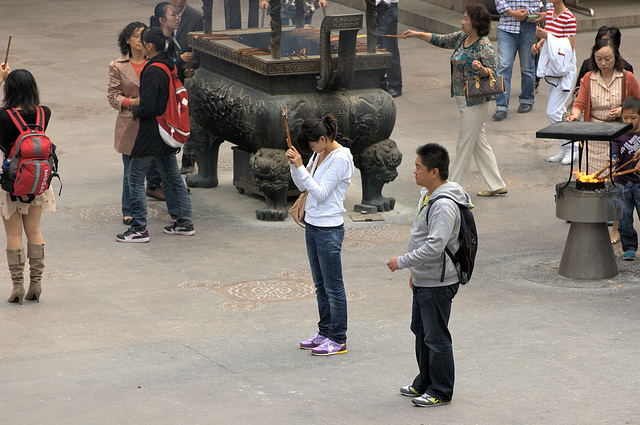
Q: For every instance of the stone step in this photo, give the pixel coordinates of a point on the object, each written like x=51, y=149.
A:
x=433, y=18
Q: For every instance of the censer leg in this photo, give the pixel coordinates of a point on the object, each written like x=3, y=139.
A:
x=588, y=253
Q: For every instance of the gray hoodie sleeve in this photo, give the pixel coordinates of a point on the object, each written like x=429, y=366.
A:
x=443, y=217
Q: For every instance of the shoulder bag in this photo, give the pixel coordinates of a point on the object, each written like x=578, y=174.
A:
x=297, y=210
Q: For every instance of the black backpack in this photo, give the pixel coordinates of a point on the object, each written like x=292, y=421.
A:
x=465, y=257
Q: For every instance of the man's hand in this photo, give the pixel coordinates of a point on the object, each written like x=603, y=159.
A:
x=410, y=282
x=393, y=264
x=264, y=4
x=519, y=14
x=322, y=3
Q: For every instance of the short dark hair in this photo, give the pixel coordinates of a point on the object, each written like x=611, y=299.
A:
x=21, y=91
x=609, y=32
x=631, y=103
x=125, y=34
x=604, y=42
x=480, y=18
x=313, y=128
x=433, y=155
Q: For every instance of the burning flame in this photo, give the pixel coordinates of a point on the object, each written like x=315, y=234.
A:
x=586, y=178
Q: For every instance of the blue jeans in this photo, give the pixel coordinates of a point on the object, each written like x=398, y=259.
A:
x=434, y=351
x=168, y=168
x=508, y=45
x=390, y=78
x=154, y=180
x=126, y=196
x=324, y=245
x=630, y=200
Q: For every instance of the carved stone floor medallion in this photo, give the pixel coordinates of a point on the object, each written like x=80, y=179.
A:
x=100, y=217
x=255, y=294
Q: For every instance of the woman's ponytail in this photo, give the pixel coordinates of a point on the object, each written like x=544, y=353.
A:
x=161, y=43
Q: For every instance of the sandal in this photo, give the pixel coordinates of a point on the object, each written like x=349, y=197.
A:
x=615, y=241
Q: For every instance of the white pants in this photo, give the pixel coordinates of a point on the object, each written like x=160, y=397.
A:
x=556, y=108
x=472, y=142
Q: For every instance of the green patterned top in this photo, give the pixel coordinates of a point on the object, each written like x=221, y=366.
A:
x=462, y=58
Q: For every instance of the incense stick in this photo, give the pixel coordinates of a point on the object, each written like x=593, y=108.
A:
x=6, y=58
x=389, y=35
x=286, y=126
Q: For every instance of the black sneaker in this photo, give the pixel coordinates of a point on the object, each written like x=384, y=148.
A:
x=132, y=236
x=425, y=400
x=499, y=115
x=178, y=229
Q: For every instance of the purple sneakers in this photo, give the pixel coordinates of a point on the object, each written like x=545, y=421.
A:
x=329, y=348
x=312, y=342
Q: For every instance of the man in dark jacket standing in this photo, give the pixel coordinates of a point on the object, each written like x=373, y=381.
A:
x=190, y=20
x=434, y=280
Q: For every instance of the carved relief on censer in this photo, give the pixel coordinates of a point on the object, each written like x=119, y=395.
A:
x=247, y=77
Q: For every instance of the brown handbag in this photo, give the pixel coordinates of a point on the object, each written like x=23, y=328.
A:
x=484, y=87
x=297, y=210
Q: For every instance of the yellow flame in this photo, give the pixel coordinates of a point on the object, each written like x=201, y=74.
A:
x=586, y=178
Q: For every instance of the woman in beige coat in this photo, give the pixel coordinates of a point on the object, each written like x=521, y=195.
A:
x=123, y=94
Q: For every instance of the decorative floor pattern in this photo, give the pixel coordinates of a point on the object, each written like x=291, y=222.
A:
x=48, y=274
x=100, y=217
x=253, y=295
x=361, y=238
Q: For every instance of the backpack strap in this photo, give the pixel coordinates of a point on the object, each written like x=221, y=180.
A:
x=164, y=67
x=40, y=118
x=446, y=248
x=21, y=123
x=17, y=119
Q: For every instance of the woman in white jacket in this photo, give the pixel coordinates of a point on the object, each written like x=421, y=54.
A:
x=327, y=178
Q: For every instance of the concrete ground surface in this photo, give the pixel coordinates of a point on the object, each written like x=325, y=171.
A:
x=204, y=329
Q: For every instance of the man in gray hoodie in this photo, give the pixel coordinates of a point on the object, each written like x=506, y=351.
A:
x=433, y=280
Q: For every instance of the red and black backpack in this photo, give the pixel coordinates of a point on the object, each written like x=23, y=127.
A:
x=32, y=162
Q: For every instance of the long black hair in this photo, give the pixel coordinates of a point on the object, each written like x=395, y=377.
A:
x=125, y=34
x=604, y=42
x=314, y=128
x=21, y=91
x=160, y=11
x=161, y=42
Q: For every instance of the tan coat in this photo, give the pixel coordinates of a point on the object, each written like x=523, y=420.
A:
x=123, y=83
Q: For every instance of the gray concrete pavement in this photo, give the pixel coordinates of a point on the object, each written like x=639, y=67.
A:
x=204, y=330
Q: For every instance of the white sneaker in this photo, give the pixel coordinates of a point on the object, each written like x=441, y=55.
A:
x=557, y=158
x=567, y=157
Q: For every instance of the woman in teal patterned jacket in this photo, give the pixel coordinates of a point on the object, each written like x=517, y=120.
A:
x=473, y=54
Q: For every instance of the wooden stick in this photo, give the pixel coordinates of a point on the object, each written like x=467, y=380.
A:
x=625, y=164
x=606, y=167
x=614, y=172
x=389, y=35
x=286, y=126
x=633, y=170
x=6, y=57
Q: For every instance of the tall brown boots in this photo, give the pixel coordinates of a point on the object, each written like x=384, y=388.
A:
x=15, y=259
x=35, y=253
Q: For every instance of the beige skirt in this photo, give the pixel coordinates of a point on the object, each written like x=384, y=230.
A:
x=8, y=207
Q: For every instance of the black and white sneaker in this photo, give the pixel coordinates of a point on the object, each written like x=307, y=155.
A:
x=132, y=236
x=179, y=229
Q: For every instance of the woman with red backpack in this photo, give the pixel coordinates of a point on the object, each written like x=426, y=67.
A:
x=21, y=94
x=149, y=145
